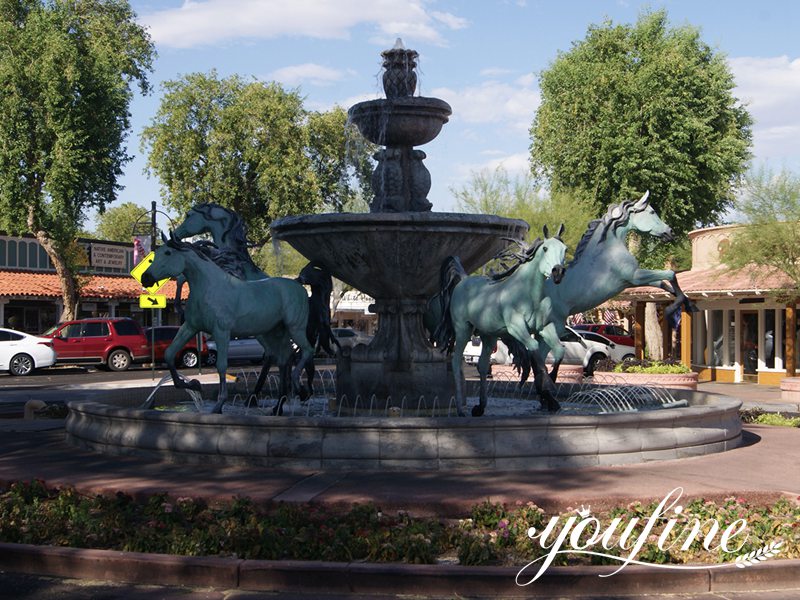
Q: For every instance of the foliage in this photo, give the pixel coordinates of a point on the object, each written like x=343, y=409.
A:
x=66, y=71
x=249, y=146
x=643, y=107
x=497, y=193
x=279, y=259
x=769, y=206
x=775, y=419
x=653, y=367
x=116, y=223
x=31, y=513
x=340, y=158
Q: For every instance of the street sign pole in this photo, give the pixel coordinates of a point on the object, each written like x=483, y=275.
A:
x=153, y=245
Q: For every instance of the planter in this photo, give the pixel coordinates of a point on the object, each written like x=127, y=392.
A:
x=790, y=389
x=687, y=381
x=566, y=373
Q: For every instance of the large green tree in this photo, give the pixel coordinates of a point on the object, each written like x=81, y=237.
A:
x=496, y=192
x=117, y=223
x=248, y=145
x=769, y=206
x=66, y=72
x=643, y=107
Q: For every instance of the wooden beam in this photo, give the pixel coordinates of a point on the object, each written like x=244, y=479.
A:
x=638, y=329
x=790, y=352
x=686, y=338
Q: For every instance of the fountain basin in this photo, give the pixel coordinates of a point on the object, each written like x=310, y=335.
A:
x=410, y=121
x=709, y=424
x=396, y=255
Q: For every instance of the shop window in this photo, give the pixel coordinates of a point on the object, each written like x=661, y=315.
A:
x=769, y=338
x=731, y=320
x=33, y=256
x=717, y=337
x=12, y=253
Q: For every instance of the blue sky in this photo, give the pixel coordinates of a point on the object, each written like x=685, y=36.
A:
x=481, y=56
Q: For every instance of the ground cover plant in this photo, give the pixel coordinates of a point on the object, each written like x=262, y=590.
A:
x=32, y=513
x=760, y=417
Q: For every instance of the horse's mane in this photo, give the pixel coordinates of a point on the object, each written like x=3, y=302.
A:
x=511, y=260
x=235, y=234
x=615, y=217
x=226, y=259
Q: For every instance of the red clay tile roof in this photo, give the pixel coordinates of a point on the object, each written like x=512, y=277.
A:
x=25, y=283
x=718, y=281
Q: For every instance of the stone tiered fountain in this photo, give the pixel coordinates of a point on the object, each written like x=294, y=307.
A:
x=394, y=253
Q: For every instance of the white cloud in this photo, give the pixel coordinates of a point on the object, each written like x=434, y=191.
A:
x=493, y=102
x=209, y=22
x=770, y=87
x=308, y=73
x=495, y=72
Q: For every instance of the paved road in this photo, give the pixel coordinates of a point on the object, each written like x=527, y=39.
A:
x=34, y=587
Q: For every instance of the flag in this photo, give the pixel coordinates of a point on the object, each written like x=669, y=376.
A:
x=609, y=317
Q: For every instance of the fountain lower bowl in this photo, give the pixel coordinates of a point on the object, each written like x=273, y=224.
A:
x=710, y=423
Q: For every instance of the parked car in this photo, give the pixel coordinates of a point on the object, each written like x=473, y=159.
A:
x=616, y=352
x=188, y=356
x=21, y=353
x=580, y=351
x=613, y=332
x=240, y=349
x=115, y=343
x=349, y=337
x=472, y=352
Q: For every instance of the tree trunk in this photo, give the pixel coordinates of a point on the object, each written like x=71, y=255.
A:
x=69, y=285
x=652, y=332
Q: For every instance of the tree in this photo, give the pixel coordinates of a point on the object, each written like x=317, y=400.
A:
x=340, y=158
x=496, y=193
x=66, y=71
x=769, y=206
x=116, y=224
x=250, y=146
x=643, y=107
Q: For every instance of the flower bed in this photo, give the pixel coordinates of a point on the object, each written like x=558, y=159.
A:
x=31, y=513
x=669, y=380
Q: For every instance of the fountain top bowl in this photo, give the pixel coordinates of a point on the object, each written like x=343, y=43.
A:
x=409, y=121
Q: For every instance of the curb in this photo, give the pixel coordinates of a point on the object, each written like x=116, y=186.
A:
x=375, y=578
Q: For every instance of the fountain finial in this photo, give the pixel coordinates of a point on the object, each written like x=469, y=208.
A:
x=399, y=77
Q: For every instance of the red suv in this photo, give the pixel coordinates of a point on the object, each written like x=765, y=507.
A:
x=613, y=332
x=188, y=355
x=116, y=343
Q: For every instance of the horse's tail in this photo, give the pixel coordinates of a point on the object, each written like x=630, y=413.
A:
x=450, y=275
x=521, y=359
x=318, y=329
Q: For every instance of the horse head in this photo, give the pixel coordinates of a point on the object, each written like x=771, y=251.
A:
x=168, y=261
x=552, y=252
x=643, y=218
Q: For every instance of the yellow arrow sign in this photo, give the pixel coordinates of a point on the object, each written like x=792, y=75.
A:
x=153, y=301
x=139, y=270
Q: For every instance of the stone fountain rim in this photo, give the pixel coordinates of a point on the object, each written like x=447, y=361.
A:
x=414, y=104
x=440, y=220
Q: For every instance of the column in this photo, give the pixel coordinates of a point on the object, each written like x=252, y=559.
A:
x=789, y=338
x=3, y=302
x=112, y=308
x=638, y=329
x=686, y=338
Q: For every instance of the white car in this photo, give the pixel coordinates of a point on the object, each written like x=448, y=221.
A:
x=349, y=337
x=616, y=352
x=472, y=352
x=580, y=351
x=21, y=353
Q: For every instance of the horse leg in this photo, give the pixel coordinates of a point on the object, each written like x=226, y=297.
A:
x=462, y=337
x=185, y=333
x=484, y=361
x=222, y=369
x=544, y=385
x=262, y=376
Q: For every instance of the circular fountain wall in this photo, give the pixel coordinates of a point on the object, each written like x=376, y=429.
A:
x=708, y=423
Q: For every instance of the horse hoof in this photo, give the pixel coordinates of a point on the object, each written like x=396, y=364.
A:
x=195, y=385
x=477, y=411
